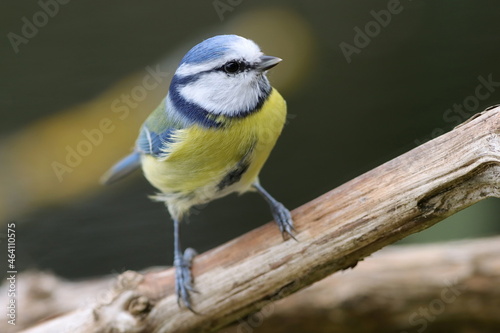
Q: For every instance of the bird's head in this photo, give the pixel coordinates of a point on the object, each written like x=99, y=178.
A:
x=223, y=75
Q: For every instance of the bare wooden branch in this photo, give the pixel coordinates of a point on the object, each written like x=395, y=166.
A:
x=41, y=295
x=405, y=288
x=335, y=231
x=447, y=287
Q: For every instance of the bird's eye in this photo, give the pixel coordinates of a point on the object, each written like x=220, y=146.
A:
x=232, y=67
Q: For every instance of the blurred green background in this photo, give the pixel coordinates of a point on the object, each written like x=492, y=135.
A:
x=346, y=117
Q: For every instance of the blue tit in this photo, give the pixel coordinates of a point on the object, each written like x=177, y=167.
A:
x=210, y=136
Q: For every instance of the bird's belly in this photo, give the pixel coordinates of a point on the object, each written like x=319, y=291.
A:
x=205, y=164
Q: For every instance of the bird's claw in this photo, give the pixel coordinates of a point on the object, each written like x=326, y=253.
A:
x=184, y=278
x=283, y=218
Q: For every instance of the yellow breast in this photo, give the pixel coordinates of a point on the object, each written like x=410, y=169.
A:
x=201, y=157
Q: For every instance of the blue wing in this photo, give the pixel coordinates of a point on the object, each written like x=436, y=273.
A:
x=152, y=143
x=157, y=132
x=155, y=136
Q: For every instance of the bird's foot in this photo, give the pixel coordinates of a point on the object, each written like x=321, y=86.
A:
x=184, y=278
x=284, y=220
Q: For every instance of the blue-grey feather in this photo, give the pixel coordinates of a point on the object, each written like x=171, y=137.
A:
x=152, y=143
x=209, y=49
x=123, y=168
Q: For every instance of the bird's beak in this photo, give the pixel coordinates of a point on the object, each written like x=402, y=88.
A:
x=267, y=62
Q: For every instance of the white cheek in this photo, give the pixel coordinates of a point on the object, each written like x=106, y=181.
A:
x=222, y=94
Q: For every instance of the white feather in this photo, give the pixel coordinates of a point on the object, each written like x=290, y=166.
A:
x=221, y=93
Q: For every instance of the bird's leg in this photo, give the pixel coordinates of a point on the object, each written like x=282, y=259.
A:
x=281, y=215
x=182, y=264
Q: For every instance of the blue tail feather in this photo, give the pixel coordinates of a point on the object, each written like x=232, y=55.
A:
x=121, y=169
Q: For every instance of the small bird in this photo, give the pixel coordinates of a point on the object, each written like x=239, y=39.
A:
x=210, y=136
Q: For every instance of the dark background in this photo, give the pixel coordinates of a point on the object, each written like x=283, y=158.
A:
x=346, y=117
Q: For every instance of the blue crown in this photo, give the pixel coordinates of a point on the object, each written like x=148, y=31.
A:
x=210, y=49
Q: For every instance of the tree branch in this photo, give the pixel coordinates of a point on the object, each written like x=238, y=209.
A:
x=446, y=287
x=452, y=287
x=403, y=196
